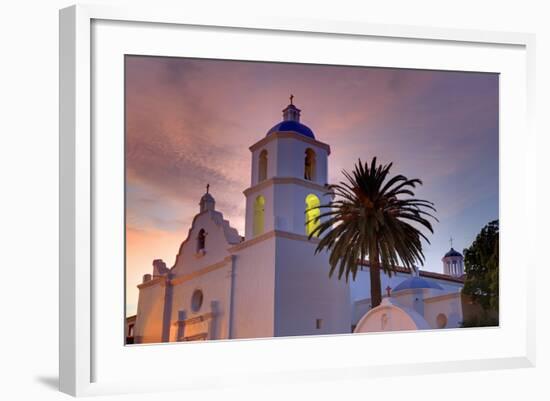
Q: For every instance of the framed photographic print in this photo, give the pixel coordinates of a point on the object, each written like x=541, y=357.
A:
x=290, y=199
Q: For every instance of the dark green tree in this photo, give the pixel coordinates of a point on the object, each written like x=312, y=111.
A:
x=376, y=218
x=481, y=267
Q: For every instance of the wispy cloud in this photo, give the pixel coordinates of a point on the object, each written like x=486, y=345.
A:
x=190, y=122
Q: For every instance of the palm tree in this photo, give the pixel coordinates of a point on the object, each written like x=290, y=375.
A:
x=376, y=218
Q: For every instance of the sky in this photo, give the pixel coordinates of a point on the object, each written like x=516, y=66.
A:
x=190, y=122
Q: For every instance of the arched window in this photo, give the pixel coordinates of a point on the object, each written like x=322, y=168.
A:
x=312, y=214
x=384, y=322
x=262, y=166
x=309, y=165
x=441, y=321
x=196, y=300
x=259, y=212
x=201, y=240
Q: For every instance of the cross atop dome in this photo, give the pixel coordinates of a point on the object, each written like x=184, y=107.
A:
x=453, y=262
x=291, y=121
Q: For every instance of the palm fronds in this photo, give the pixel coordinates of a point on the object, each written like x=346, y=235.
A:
x=373, y=218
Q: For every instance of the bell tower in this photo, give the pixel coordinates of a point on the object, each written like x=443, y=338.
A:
x=453, y=262
x=288, y=177
x=288, y=183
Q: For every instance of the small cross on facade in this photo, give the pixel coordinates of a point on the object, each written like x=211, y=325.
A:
x=388, y=291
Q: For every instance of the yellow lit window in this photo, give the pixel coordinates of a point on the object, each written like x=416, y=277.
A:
x=312, y=213
x=259, y=215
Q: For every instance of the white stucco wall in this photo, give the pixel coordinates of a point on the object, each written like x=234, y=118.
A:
x=291, y=156
x=272, y=149
x=290, y=201
x=285, y=206
x=149, y=317
x=304, y=292
x=413, y=299
x=253, y=290
x=389, y=317
x=285, y=202
x=269, y=212
x=286, y=156
x=215, y=287
x=188, y=259
x=450, y=305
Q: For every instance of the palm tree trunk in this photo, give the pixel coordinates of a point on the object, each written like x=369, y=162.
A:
x=375, y=283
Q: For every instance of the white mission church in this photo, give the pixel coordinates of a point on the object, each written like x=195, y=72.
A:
x=270, y=283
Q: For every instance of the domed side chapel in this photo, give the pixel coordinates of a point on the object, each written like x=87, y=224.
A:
x=270, y=282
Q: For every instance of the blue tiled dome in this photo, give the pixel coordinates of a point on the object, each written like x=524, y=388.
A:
x=293, y=126
x=291, y=122
x=452, y=252
x=416, y=282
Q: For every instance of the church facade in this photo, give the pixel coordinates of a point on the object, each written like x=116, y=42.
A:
x=270, y=282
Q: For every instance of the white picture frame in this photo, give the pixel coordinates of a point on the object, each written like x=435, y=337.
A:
x=81, y=346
